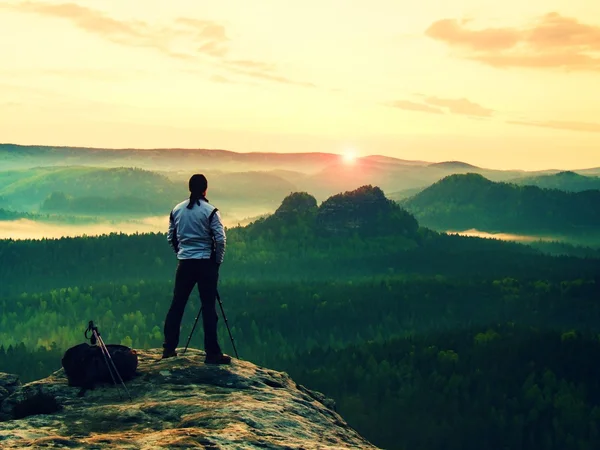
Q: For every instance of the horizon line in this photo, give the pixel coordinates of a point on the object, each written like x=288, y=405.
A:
x=290, y=153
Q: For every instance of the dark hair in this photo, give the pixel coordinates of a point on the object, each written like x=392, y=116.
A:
x=198, y=185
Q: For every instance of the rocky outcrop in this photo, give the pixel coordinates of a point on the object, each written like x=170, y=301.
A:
x=176, y=403
x=365, y=211
x=297, y=204
x=8, y=384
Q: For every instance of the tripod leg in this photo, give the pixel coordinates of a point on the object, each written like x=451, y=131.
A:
x=110, y=370
x=192, y=332
x=114, y=367
x=227, y=324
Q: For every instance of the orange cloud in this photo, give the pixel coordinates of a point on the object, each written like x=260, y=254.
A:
x=552, y=41
x=271, y=77
x=250, y=64
x=206, y=28
x=220, y=79
x=262, y=70
x=453, y=32
x=202, y=36
x=184, y=38
x=561, y=125
x=434, y=105
x=460, y=106
x=413, y=106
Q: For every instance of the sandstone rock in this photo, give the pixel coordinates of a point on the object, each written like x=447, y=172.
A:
x=178, y=403
x=9, y=381
x=8, y=384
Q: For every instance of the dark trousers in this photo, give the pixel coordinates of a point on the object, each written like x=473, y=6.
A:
x=190, y=272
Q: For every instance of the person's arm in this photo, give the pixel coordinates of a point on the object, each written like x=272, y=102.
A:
x=172, y=234
x=218, y=232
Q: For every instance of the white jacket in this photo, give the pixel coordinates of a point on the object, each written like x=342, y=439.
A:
x=192, y=236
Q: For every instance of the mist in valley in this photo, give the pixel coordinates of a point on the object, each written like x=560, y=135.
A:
x=93, y=226
x=411, y=202
x=328, y=257
x=48, y=192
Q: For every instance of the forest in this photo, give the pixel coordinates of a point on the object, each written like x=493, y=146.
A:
x=424, y=340
x=565, y=181
x=461, y=202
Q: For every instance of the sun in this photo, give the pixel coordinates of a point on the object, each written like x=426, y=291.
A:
x=349, y=157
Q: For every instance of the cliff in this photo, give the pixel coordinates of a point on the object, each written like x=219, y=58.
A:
x=176, y=403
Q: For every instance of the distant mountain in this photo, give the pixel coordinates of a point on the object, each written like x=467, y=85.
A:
x=257, y=179
x=249, y=187
x=390, y=177
x=454, y=165
x=28, y=189
x=461, y=202
x=100, y=190
x=564, y=181
x=390, y=160
x=13, y=215
x=198, y=160
x=9, y=215
x=398, y=196
x=363, y=212
x=591, y=172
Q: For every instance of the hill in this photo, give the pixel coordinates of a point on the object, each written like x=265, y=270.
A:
x=252, y=187
x=28, y=156
x=455, y=165
x=176, y=403
x=13, y=215
x=398, y=196
x=564, y=181
x=461, y=202
x=362, y=212
x=320, y=174
x=28, y=189
x=127, y=191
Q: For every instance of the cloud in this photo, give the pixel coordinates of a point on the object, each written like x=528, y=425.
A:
x=85, y=73
x=182, y=39
x=264, y=71
x=221, y=79
x=453, y=32
x=413, y=106
x=274, y=78
x=254, y=65
x=206, y=28
x=592, y=127
x=436, y=105
x=460, y=106
x=551, y=41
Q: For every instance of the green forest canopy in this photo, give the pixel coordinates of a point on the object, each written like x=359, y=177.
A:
x=424, y=340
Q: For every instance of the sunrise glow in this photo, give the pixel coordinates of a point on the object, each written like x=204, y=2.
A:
x=483, y=82
x=349, y=157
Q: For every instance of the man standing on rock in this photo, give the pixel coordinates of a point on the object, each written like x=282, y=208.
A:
x=197, y=236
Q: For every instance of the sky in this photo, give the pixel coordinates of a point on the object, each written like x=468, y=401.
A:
x=508, y=85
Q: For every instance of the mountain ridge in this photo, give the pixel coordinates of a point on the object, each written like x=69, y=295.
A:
x=473, y=201
x=567, y=180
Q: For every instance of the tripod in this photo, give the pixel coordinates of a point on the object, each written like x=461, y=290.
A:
x=226, y=323
x=96, y=339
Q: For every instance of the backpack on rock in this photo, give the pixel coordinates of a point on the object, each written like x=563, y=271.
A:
x=86, y=365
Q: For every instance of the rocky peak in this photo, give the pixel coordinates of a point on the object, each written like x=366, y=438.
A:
x=297, y=203
x=365, y=210
x=176, y=403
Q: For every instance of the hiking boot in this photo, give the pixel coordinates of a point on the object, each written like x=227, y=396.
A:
x=217, y=359
x=168, y=354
